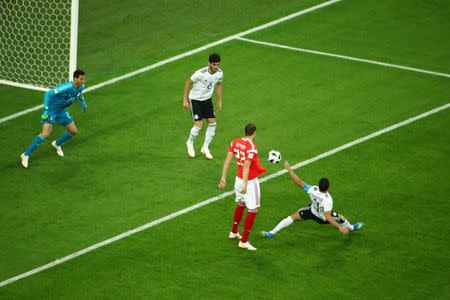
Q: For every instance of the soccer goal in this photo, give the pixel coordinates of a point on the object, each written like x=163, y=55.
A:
x=38, y=42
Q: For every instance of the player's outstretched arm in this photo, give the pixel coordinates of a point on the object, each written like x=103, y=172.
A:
x=187, y=88
x=333, y=222
x=226, y=165
x=293, y=176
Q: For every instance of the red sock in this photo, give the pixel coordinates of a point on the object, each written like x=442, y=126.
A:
x=248, y=224
x=238, y=211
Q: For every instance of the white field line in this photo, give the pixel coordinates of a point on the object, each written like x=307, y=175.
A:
x=344, y=57
x=216, y=198
x=358, y=141
x=185, y=54
x=26, y=111
x=20, y=113
x=23, y=85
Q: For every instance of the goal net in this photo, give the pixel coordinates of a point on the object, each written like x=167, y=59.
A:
x=38, y=42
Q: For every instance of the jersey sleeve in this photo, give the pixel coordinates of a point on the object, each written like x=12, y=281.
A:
x=63, y=88
x=47, y=97
x=311, y=188
x=306, y=187
x=230, y=149
x=195, y=76
x=220, y=78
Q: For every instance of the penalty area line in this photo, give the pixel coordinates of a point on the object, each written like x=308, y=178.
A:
x=218, y=197
x=363, y=60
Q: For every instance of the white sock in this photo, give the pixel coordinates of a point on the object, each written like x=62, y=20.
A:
x=348, y=225
x=210, y=131
x=193, y=134
x=284, y=223
x=343, y=222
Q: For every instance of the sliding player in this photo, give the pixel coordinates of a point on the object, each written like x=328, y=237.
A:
x=320, y=209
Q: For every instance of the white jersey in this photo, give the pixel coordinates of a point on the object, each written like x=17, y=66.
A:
x=320, y=202
x=204, y=84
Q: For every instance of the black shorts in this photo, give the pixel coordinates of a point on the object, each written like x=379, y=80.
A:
x=307, y=214
x=202, y=109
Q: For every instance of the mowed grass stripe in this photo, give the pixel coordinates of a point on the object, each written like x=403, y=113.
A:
x=183, y=55
x=216, y=198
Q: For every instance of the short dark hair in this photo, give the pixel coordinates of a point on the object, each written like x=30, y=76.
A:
x=214, y=58
x=250, y=129
x=324, y=184
x=77, y=73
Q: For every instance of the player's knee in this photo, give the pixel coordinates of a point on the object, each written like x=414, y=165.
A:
x=45, y=134
x=73, y=130
x=199, y=124
x=338, y=218
x=255, y=210
x=296, y=217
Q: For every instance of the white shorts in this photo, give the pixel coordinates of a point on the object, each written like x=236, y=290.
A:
x=252, y=197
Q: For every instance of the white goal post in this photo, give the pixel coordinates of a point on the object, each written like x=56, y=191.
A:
x=38, y=42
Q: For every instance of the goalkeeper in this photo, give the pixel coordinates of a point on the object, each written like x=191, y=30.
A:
x=56, y=101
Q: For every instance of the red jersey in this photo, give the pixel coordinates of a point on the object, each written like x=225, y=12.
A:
x=244, y=149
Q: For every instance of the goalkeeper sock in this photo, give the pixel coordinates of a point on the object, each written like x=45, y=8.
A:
x=194, y=132
x=210, y=132
x=37, y=140
x=64, y=138
x=284, y=223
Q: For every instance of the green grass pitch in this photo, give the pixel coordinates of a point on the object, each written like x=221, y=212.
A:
x=128, y=166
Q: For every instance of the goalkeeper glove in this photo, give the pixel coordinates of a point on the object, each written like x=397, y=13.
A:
x=83, y=105
x=44, y=115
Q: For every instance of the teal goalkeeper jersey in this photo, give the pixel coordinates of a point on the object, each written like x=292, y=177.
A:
x=62, y=96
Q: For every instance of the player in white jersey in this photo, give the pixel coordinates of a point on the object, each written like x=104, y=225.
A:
x=319, y=210
x=199, y=101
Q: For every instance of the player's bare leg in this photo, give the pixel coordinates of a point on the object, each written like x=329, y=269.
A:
x=284, y=223
x=192, y=135
x=209, y=134
x=46, y=131
x=344, y=222
x=71, y=131
x=248, y=224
